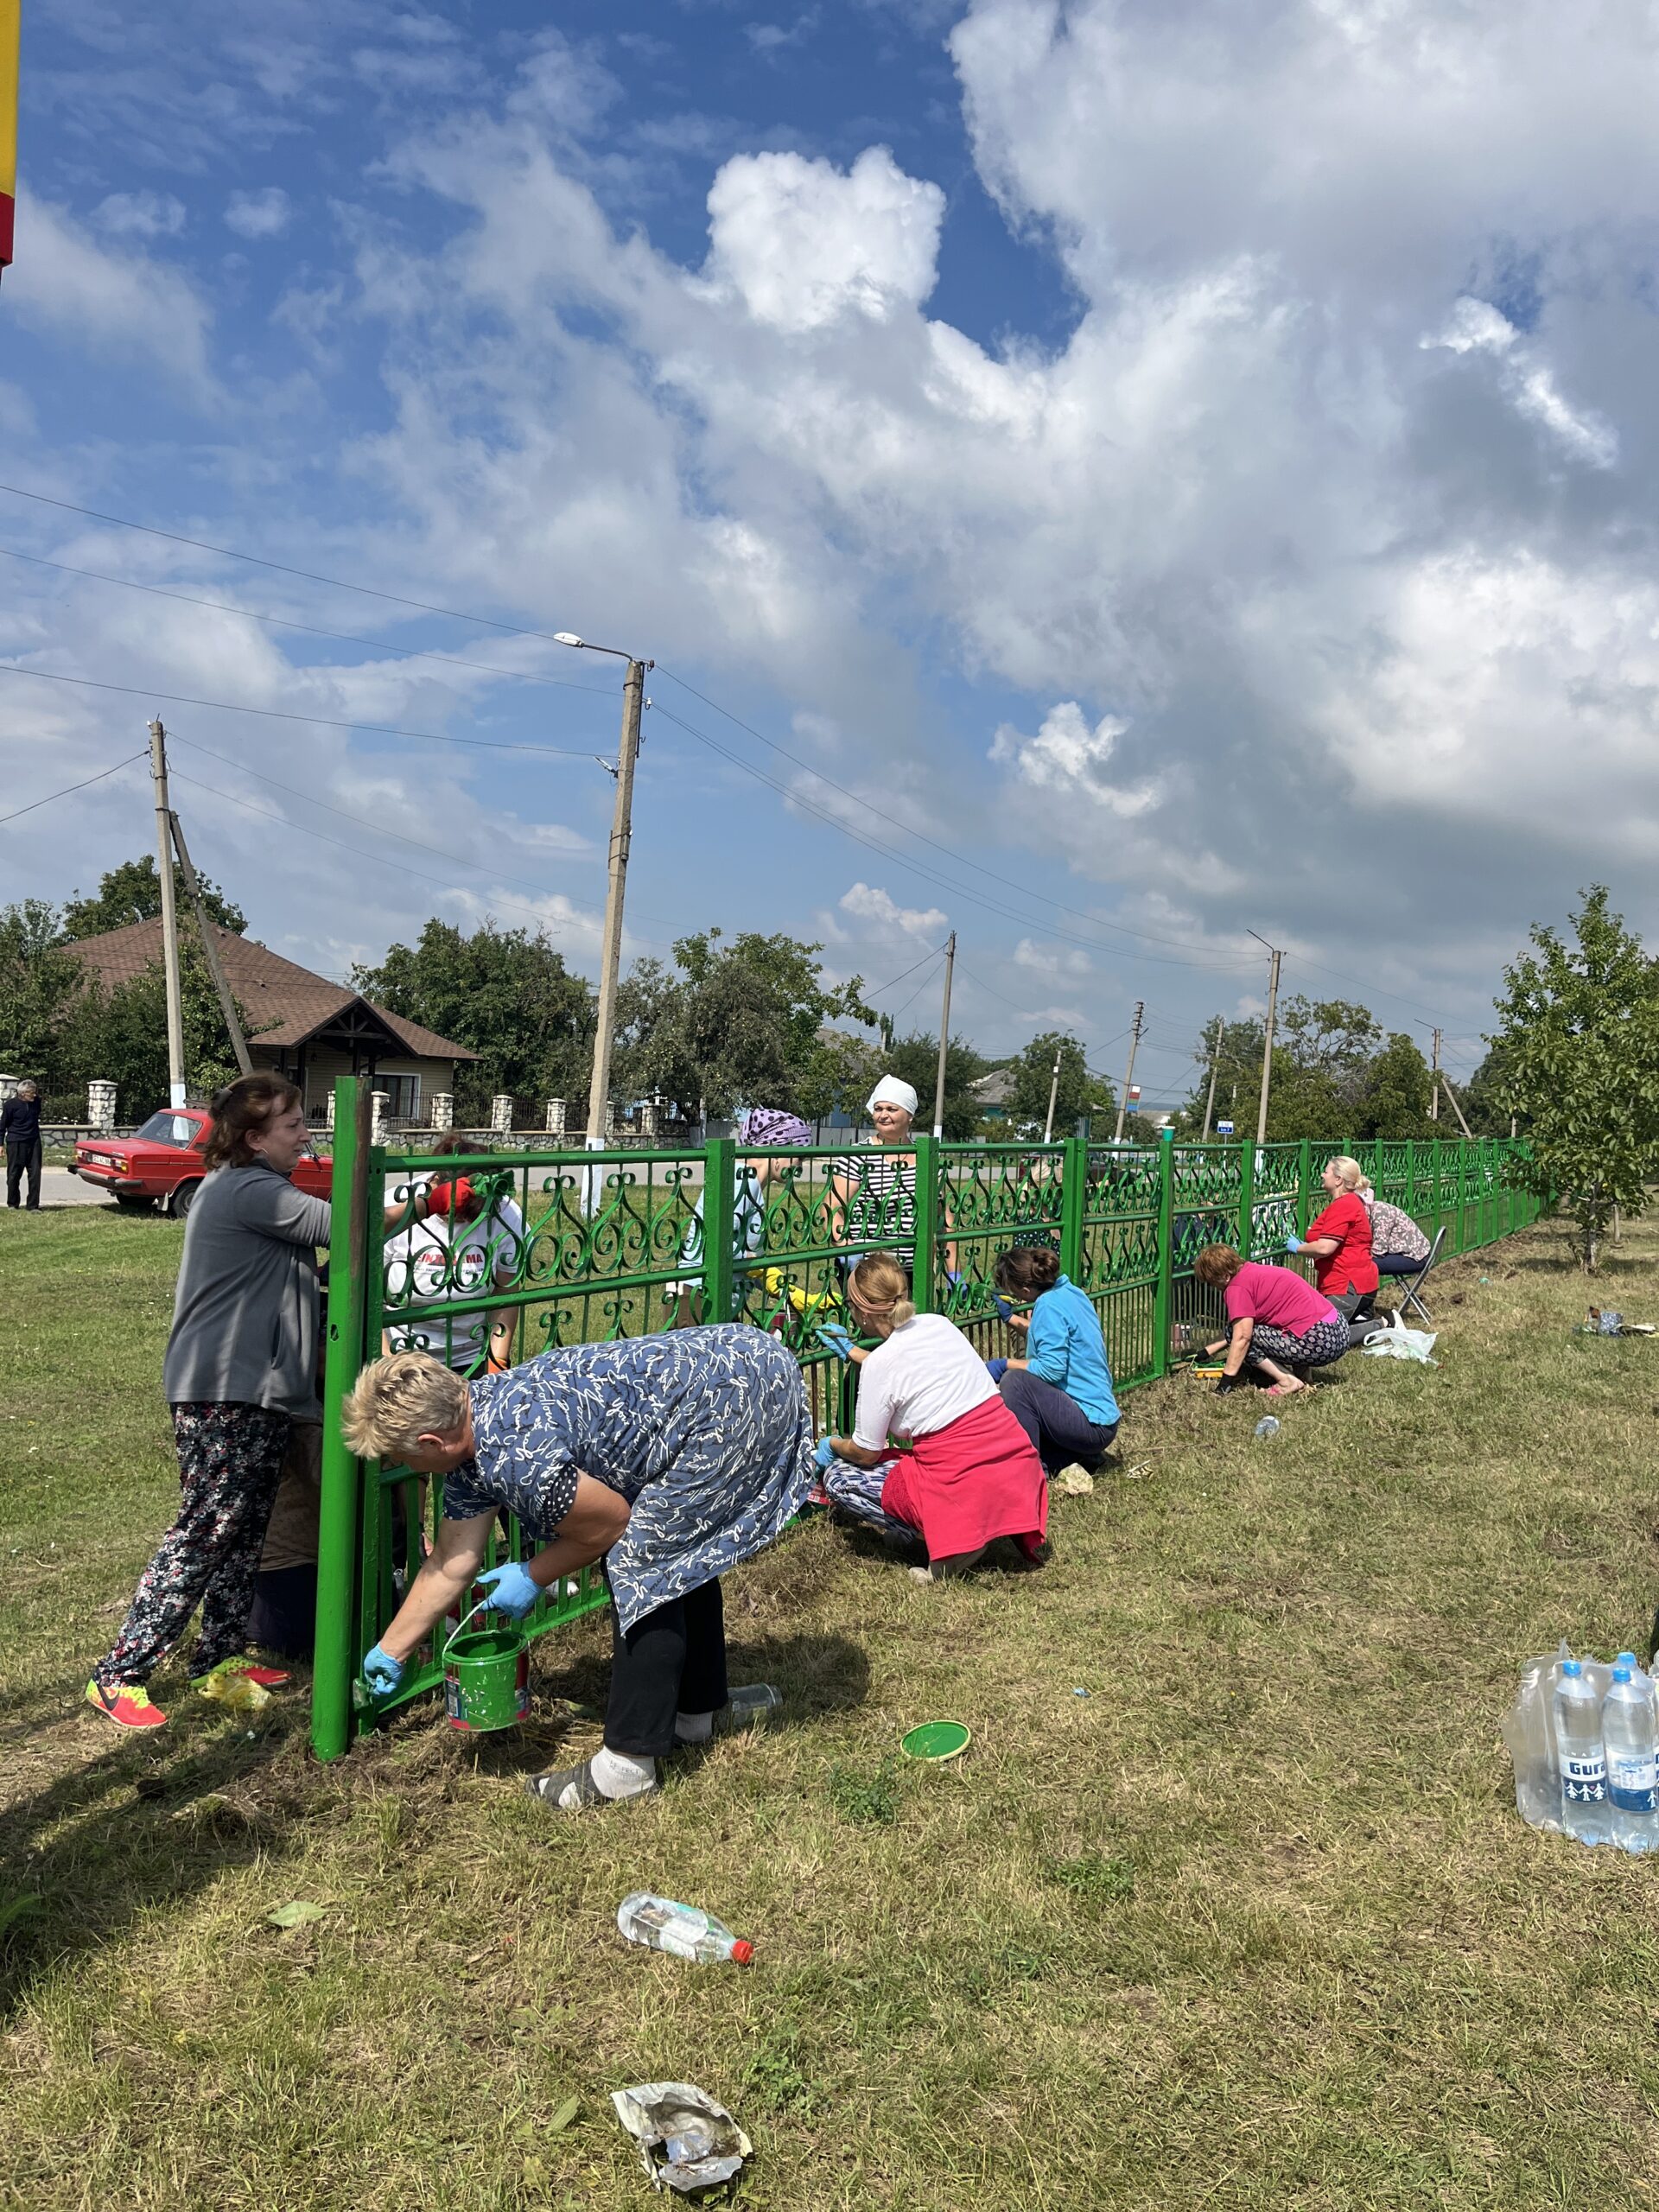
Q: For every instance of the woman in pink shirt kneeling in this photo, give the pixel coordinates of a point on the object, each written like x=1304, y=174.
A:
x=971, y=1474
x=1280, y=1323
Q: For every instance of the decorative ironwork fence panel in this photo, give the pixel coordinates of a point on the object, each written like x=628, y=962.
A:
x=574, y=1248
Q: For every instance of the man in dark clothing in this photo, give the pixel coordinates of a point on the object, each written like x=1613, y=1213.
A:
x=20, y=1129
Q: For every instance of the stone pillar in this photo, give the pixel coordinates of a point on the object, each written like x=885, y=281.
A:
x=501, y=1110
x=443, y=1109
x=101, y=1106
x=610, y=1131
x=556, y=1111
x=650, y=1120
x=379, y=1100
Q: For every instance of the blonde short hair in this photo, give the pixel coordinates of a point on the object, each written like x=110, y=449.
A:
x=397, y=1400
x=1347, y=1171
x=881, y=1286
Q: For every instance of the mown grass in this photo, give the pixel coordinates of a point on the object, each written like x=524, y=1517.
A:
x=1250, y=1924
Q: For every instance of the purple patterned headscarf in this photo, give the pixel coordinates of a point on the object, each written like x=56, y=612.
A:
x=770, y=1125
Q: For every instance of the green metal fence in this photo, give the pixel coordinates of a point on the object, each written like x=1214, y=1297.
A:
x=611, y=1244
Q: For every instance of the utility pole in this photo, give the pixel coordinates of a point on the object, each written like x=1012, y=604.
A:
x=210, y=950
x=1215, y=1062
x=1434, y=1089
x=169, y=918
x=944, y=1036
x=1456, y=1109
x=1128, y=1073
x=1053, y=1093
x=610, y=956
x=1267, y=1038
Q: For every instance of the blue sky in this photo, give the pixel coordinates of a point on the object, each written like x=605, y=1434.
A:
x=1174, y=471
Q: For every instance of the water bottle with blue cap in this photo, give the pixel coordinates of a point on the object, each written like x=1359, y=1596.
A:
x=1632, y=1750
x=1585, y=1812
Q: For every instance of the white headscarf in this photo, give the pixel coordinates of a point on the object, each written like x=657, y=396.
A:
x=891, y=1090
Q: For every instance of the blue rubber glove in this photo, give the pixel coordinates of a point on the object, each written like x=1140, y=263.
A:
x=996, y=1369
x=511, y=1589
x=382, y=1672
x=1002, y=1305
x=826, y=1455
x=1292, y=1244
x=835, y=1339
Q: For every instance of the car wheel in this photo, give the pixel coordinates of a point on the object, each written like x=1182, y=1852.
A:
x=183, y=1199
x=132, y=1201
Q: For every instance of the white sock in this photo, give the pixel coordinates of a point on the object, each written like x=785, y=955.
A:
x=693, y=1727
x=617, y=1774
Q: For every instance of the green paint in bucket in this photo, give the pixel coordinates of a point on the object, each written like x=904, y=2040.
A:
x=485, y=1679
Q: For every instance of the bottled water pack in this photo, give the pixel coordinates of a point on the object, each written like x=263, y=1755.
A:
x=1585, y=1740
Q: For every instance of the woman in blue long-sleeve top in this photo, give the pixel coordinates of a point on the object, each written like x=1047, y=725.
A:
x=1061, y=1392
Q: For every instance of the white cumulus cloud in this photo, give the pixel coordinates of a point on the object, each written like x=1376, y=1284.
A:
x=880, y=910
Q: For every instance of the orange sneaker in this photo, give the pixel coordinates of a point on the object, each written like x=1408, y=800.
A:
x=128, y=1705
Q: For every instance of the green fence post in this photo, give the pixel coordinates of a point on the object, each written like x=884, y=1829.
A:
x=1462, y=1195
x=1246, y=1198
x=719, y=1211
x=1161, y=1292
x=1437, y=1172
x=1074, y=1192
x=1411, y=1177
x=1303, y=1170
x=350, y=1251
x=931, y=1200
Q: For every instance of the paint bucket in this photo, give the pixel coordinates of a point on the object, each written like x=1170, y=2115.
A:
x=485, y=1678
x=936, y=1741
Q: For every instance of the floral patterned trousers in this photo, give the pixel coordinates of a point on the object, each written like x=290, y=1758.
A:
x=229, y=1463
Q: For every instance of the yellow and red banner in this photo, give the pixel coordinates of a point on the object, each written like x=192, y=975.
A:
x=11, y=13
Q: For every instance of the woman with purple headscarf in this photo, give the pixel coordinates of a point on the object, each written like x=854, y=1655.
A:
x=761, y=1125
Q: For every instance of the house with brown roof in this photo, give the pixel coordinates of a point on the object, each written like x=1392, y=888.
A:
x=299, y=1024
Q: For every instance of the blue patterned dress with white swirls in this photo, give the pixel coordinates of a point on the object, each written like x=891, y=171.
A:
x=705, y=1431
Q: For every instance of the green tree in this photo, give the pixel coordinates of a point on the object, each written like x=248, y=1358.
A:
x=507, y=995
x=1079, y=1092
x=1579, y=1032
x=840, y=1075
x=132, y=892
x=915, y=1059
x=1489, y=1098
x=38, y=984
x=1394, y=1102
x=121, y=1035
x=733, y=1024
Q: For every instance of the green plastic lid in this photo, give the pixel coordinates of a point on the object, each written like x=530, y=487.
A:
x=937, y=1740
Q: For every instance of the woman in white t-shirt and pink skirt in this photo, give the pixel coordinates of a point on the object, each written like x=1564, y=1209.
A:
x=971, y=1475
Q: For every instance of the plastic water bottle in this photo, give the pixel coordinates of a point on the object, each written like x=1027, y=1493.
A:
x=681, y=1931
x=1585, y=1811
x=1629, y=1744
x=1268, y=1426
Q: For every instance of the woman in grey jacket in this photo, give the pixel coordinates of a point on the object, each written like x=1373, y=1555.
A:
x=240, y=1368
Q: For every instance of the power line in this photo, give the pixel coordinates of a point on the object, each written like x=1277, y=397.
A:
x=919, y=869
x=1009, y=883
x=903, y=972
x=278, y=715
x=367, y=822
x=279, y=568
x=311, y=629
x=102, y=774
x=380, y=858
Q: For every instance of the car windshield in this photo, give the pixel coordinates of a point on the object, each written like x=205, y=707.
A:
x=168, y=1128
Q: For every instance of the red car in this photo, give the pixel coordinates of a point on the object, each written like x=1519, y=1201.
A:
x=163, y=1161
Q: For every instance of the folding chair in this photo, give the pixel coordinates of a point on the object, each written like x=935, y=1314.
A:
x=1410, y=1285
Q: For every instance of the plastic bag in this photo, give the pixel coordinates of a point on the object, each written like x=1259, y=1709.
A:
x=1398, y=1342
x=687, y=2141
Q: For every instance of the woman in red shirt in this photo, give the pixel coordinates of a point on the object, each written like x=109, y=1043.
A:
x=1340, y=1241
